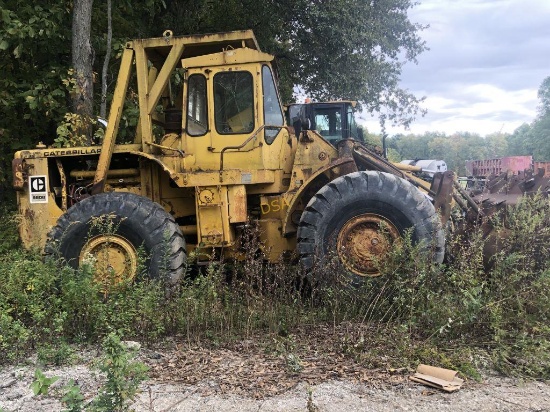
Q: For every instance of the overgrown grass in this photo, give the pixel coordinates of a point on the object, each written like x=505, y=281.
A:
x=458, y=315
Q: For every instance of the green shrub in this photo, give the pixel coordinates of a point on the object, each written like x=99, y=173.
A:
x=9, y=236
x=446, y=313
x=123, y=377
x=517, y=307
x=29, y=302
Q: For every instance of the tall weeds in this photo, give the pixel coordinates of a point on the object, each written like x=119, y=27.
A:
x=417, y=311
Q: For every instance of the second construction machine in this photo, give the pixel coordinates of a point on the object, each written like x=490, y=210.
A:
x=212, y=158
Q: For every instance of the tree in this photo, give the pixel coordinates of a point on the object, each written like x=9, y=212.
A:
x=413, y=146
x=534, y=139
x=454, y=149
x=33, y=62
x=497, y=144
x=104, y=71
x=348, y=49
x=544, y=97
x=82, y=61
x=338, y=49
x=520, y=141
x=540, y=137
x=540, y=130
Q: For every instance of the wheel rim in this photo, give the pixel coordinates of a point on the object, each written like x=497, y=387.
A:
x=115, y=259
x=364, y=241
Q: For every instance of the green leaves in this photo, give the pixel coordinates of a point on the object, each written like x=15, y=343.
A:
x=42, y=383
x=33, y=47
x=73, y=398
x=532, y=139
x=123, y=376
x=455, y=149
x=349, y=49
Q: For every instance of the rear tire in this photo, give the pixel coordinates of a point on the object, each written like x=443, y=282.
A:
x=134, y=222
x=358, y=217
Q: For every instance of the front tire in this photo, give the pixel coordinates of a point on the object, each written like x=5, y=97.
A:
x=358, y=217
x=109, y=229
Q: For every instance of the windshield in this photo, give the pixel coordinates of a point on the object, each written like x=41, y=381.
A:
x=354, y=134
x=328, y=122
x=273, y=115
x=233, y=102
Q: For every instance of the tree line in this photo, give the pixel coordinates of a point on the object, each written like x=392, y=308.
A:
x=530, y=139
x=338, y=49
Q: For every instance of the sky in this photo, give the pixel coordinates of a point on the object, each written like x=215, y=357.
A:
x=487, y=59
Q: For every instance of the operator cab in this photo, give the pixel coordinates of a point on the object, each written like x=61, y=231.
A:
x=334, y=120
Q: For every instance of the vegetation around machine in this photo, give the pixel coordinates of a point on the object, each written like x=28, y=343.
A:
x=212, y=162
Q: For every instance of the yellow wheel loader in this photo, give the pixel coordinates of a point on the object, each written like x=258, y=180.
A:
x=212, y=155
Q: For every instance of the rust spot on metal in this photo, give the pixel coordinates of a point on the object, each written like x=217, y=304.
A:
x=19, y=173
x=29, y=214
x=499, y=192
x=364, y=241
x=116, y=260
x=27, y=154
x=98, y=187
x=240, y=209
x=507, y=189
x=442, y=186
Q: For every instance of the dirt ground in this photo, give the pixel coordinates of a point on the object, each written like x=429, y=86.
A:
x=244, y=378
x=494, y=394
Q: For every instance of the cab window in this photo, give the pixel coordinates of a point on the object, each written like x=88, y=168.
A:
x=197, y=119
x=233, y=102
x=328, y=122
x=273, y=115
x=354, y=133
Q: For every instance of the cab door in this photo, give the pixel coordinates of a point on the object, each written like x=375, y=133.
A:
x=235, y=119
x=222, y=118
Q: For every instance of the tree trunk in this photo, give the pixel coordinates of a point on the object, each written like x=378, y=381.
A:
x=103, y=109
x=83, y=58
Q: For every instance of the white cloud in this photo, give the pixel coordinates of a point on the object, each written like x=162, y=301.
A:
x=480, y=108
x=486, y=61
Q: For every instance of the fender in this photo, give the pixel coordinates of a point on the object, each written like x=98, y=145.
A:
x=295, y=197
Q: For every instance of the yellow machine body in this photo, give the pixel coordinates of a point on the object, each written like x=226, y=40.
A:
x=228, y=158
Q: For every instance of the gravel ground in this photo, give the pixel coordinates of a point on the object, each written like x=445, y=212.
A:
x=493, y=394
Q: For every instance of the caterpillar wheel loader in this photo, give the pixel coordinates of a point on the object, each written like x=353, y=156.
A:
x=211, y=155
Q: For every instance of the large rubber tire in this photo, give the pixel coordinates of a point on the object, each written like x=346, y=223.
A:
x=138, y=224
x=360, y=215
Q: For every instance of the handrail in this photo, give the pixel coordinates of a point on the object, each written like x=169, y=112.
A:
x=253, y=136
